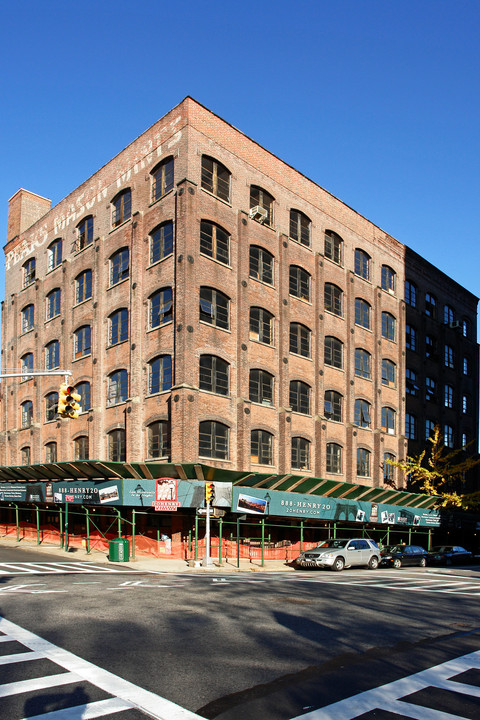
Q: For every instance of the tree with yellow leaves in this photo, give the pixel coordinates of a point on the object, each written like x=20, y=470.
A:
x=440, y=472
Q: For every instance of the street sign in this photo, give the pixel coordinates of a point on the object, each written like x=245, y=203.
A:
x=213, y=512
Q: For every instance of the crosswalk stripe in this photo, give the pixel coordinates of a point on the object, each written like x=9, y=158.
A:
x=40, y=683
x=101, y=708
x=19, y=657
x=155, y=705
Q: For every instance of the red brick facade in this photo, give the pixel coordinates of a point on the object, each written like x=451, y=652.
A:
x=186, y=134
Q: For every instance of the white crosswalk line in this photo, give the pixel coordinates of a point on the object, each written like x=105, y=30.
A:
x=41, y=683
x=81, y=670
x=391, y=697
x=19, y=657
x=98, y=709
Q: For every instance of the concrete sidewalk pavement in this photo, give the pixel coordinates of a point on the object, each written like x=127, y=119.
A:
x=146, y=563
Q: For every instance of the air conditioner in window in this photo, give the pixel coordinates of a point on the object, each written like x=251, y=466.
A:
x=258, y=213
x=455, y=324
x=391, y=431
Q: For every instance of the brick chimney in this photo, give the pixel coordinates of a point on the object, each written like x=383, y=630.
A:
x=24, y=209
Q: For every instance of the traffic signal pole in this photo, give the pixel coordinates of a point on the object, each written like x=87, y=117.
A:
x=207, y=535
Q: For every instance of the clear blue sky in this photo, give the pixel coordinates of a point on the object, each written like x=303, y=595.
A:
x=375, y=100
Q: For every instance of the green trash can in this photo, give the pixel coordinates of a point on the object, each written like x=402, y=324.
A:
x=119, y=550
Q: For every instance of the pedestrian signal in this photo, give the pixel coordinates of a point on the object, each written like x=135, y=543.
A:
x=209, y=492
x=68, y=402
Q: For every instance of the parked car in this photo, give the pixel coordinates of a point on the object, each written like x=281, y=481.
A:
x=397, y=555
x=341, y=553
x=449, y=555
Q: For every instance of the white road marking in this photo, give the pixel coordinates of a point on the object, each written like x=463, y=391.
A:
x=390, y=697
x=92, y=710
x=57, y=568
x=78, y=670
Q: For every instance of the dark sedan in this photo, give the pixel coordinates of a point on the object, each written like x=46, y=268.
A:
x=397, y=555
x=449, y=555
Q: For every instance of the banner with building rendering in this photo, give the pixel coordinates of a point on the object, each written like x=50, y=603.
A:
x=286, y=504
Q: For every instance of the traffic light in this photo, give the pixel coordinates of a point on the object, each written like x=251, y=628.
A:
x=209, y=492
x=68, y=402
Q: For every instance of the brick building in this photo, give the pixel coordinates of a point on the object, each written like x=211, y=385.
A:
x=214, y=304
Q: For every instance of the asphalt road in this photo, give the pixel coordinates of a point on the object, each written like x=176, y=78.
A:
x=239, y=646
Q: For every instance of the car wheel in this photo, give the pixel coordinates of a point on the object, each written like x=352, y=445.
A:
x=373, y=564
x=339, y=564
x=423, y=562
x=397, y=563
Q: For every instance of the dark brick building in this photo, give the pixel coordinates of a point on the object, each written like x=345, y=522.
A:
x=213, y=303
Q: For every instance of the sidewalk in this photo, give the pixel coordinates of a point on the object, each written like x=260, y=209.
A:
x=145, y=563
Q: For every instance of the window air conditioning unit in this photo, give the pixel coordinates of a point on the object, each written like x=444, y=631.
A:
x=258, y=213
x=456, y=324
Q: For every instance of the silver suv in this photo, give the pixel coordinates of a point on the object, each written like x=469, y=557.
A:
x=338, y=554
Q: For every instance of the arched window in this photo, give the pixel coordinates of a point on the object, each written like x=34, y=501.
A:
x=261, y=264
x=449, y=357
x=362, y=264
x=117, y=387
x=300, y=453
x=159, y=439
x=389, y=373
x=333, y=296
x=81, y=447
x=362, y=313
x=430, y=389
x=334, y=458
x=29, y=272
x=51, y=405
x=118, y=326
x=411, y=386
x=261, y=205
x=333, y=406
x=388, y=469
x=53, y=301
x=388, y=279
x=261, y=447
x=429, y=428
x=25, y=455
x=410, y=338
x=388, y=326
x=213, y=440
x=85, y=232
x=83, y=344
x=83, y=286
x=116, y=445
x=300, y=339
x=333, y=352
x=363, y=462
x=54, y=254
x=214, y=242
x=162, y=178
x=27, y=365
x=448, y=396
x=362, y=416
x=28, y=318
x=52, y=355
x=121, y=207
x=27, y=413
x=299, y=283
x=300, y=397
x=215, y=178
x=333, y=247
x=261, y=325
x=161, y=242
x=300, y=226
x=448, y=436
x=261, y=387
x=160, y=308
x=363, y=363
x=160, y=374
x=51, y=452
x=214, y=374
x=466, y=327
x=388, y=420
x=214, y=308
x=84, y=390
x=119, y=266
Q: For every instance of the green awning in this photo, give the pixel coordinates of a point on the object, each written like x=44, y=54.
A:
x=305, y=485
